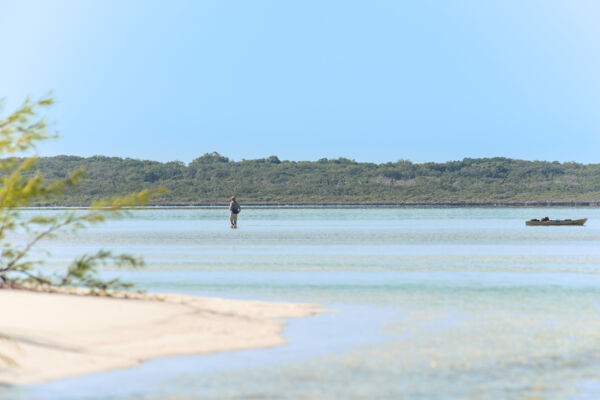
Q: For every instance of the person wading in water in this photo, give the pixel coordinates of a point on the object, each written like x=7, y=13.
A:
x=235, y=209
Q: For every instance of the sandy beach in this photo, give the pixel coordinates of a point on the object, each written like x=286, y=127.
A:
x=54, y=335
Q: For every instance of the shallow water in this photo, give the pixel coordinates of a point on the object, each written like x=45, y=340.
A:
x=432, y=303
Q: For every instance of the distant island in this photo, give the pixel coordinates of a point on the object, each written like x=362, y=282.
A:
x=213, y=178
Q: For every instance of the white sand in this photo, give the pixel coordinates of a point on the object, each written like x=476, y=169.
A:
x=56, y=336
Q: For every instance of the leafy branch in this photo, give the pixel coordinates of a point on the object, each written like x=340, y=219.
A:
x=21, y=185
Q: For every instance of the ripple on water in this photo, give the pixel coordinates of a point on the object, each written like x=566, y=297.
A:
x=452, y=303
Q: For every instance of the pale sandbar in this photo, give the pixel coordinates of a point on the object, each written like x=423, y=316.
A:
x=54, y=336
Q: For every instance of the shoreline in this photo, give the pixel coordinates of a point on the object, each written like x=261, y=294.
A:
x=61, y=334
x=266, y=206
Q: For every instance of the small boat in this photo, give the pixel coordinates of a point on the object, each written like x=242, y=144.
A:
x=554, y=222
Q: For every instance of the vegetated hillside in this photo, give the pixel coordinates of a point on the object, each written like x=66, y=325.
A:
x=212, y=179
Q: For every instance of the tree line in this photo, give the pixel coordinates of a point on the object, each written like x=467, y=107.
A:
x=213, y=178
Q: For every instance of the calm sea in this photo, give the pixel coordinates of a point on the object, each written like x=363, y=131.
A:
x=430, y=303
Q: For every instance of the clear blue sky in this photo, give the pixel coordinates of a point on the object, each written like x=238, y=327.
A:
x=370, y=80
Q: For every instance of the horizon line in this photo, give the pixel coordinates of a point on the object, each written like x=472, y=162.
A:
x=323, y=159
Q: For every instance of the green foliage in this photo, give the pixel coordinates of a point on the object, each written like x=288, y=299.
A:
x=22, y=185
x=213, y=178
x=211, y=158
x=83, y=270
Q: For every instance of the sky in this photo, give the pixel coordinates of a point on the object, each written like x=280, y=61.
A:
x=370, y=80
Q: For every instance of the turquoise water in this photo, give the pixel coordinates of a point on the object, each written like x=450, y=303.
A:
x=431, y=303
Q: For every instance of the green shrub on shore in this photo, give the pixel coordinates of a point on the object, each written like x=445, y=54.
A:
x=212, y=178
x=23, y=185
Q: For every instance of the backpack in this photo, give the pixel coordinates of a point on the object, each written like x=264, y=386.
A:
x=236, y=209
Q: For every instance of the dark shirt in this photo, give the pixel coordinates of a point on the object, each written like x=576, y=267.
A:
x=234, y=205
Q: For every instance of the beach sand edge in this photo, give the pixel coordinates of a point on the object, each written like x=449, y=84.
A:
x=59, y=335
